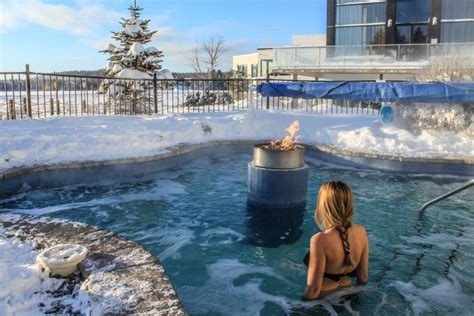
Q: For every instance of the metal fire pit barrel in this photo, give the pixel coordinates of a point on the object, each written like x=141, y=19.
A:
x=277, y=179
x=277, y=159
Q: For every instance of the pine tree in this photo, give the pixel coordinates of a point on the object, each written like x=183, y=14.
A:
x=131, y=54
x=130, y=59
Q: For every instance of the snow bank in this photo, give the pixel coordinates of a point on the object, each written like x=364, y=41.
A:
x=29, y=142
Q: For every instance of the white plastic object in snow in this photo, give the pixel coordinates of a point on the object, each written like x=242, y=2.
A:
x=62, y=259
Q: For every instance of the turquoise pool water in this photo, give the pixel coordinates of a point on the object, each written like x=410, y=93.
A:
x=225, y=259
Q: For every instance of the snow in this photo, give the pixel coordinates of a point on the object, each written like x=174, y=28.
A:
x=151, y=50
x=61, y=254
x=24, y=284
x=116, y=68
x=132, y=29
x=164, y=74
x=65, y=139
x=109, y=48
x=151, y=59
x=136, y=49
x=133, y=74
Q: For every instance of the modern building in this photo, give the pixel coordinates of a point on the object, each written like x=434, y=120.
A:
x=372, y=22
x=380, y=39
x=259, y=65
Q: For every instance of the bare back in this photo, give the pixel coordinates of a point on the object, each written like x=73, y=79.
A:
x=327, y=257
x=334, y=252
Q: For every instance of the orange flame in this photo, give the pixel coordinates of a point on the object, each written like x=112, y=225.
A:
x=289, y=142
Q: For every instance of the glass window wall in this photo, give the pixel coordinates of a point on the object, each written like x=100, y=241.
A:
x=358, y=14
x=411, y=34
x=360, y=35
x=411, y=11
x=459, y=32
x=358, y=1
x=457, y=9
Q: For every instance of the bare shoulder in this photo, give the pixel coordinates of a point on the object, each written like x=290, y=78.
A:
x=360, y=230
x=318, y=239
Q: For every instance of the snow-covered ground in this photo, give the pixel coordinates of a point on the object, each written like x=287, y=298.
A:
x=30, y=142
x=24, y=286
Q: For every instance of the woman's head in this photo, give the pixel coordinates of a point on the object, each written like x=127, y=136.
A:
x=335, y=206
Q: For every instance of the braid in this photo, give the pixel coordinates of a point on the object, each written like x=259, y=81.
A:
x=343, y=232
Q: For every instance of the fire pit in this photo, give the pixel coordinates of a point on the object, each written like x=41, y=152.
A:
x=278, y=176
x=266, y=157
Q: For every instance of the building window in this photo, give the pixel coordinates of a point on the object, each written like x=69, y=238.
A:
x=266, y=67
x=360, y=35
x=457, y=32
x=457, y=21
x=357, y=1
x=242, y=70
x=412, y=11
x=360, y=14
x=254, y=70
x=457, y=9
x=411, y=34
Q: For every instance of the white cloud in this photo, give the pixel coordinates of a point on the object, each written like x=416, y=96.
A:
x=81, y=20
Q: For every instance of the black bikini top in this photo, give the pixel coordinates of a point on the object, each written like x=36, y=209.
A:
x=334, y=277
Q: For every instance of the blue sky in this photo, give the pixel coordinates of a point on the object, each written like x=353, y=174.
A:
x=55, y=35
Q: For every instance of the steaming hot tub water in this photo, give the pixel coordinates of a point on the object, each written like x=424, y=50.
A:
x=194, y=218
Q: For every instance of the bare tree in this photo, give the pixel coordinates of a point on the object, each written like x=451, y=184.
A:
x=193, y=59
x=207, y=52
x=213, y=48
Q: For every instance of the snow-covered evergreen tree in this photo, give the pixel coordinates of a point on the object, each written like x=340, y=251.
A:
x=130, y=59
x=131, y=54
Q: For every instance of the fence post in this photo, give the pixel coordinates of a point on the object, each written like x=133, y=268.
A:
x=155, y=93
x=267, y=98
x=28, y=90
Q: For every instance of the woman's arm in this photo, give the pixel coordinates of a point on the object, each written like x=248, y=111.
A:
x=316, y=267
x=363, y=268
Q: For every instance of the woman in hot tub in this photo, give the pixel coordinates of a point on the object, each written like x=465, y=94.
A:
x=341, y=250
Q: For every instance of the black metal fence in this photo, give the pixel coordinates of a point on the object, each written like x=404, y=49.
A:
x=40, y=95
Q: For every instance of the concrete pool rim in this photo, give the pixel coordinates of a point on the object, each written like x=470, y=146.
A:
x=366, y=160
x=111, y=257
x=44, y=176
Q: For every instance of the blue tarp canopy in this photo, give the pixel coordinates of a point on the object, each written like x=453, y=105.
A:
x=400, y=92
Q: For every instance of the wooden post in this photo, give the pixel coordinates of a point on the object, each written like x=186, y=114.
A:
x=58, y=108
x=28, y=90
x=51, y=103
x=25, y=110
x=12, y=110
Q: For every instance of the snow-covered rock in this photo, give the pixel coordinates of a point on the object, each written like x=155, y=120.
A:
x=136, y=49
x=133, y=74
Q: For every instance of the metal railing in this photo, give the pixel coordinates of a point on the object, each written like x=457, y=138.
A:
x=423, y=208
x=40, y=95
x=364, y=57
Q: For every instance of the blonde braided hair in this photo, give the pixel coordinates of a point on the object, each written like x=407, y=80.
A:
x=335, y=208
